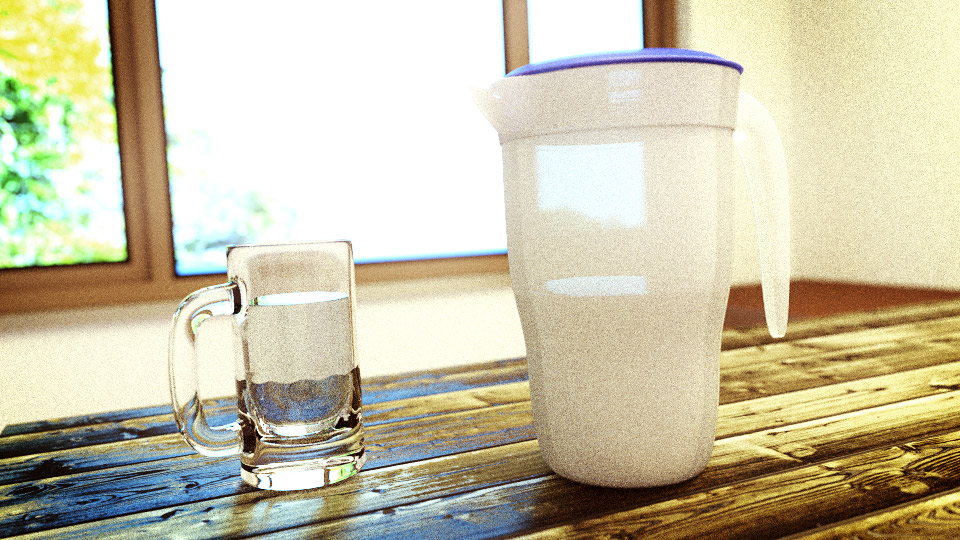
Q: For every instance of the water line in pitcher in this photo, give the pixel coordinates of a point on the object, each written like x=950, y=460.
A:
x=295, y=298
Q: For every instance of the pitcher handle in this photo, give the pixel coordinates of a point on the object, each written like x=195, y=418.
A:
x=184, y=380
x=761, y=152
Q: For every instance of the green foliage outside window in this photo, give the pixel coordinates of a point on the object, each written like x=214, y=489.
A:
x=58, y=153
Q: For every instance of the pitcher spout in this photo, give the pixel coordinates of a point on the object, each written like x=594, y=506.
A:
x=488, y=104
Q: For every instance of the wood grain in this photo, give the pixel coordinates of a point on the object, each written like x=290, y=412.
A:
x=772, y=372
x=781, y=369
x=82, y=449
x=792, y=501
x=825, y=401
x=375, y=390
x=544, y=502
x=376, y=490
x=932, y=517
x=843, y=429
x=756, y=454
x=843, y=323
x=73, y=432
x=911, y=348
x=707, y=507
x=102, y=492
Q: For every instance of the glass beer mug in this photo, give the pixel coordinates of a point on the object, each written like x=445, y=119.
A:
x=300, y=422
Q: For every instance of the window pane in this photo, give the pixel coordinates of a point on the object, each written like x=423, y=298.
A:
x=60, y=191
x=323, y=120
x=559, y=28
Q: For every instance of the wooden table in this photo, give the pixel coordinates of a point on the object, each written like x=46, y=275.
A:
x=848, y=427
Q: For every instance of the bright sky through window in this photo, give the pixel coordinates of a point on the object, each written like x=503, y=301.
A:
x=319, y=120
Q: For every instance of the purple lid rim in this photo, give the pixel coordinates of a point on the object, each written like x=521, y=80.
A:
x=624, y=57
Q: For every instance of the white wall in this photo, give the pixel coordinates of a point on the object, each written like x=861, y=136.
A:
x=866, y=97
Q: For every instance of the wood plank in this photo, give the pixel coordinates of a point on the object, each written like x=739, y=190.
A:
x=100, y=494
x=746, y=374
x=791, y=501
x=375, y=390
x=464, y=377
x=437, y=404
x=745, y=473
x=945, y=343
x=112, y=447
x=83, y=420
x=931, y=517
x=734, y=458
x=742, y=417
x=774, y=373
x=744, y=381
x=87, y=436
x=770, y=479
x=886, y=334
x=395, y=387
x=220, y=412
x=72, y=461
x=946, y=333
x=373, y=490
x=843, y=323
x=378, y=491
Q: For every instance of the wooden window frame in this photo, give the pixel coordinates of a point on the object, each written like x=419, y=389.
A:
x=149, y=273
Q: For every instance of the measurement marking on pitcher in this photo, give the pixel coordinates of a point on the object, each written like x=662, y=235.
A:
x=295, y=298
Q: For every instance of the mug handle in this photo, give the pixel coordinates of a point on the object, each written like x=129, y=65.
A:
x=761, y=152
x=220, y=299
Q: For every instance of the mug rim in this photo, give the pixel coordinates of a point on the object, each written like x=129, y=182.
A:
x=231, y=247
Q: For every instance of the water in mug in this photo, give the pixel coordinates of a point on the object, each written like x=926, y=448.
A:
x=622, y=375
x=307, y=404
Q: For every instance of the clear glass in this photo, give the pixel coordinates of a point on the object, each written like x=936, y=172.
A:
x=61, y=199
x=272, y=109
x=300, y=421
x=559, y=28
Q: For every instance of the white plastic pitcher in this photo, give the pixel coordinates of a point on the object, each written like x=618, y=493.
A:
x=617, y=179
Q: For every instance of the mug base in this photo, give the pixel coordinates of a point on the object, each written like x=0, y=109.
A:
x=306, y=474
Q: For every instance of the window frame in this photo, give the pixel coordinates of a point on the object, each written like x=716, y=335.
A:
x=149, y=273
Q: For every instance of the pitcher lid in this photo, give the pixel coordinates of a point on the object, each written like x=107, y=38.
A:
x=624, y=57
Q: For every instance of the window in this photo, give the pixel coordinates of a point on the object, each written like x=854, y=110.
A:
x=558, y=28
x=60, y=196
x=281, y=124
x=303, y=121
